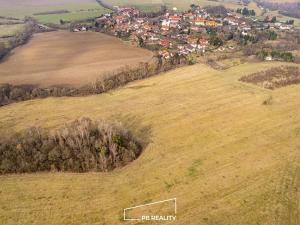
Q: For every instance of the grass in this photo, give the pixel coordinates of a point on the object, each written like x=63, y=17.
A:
x=10, y=30
x=73, y=16
x=282, y=18
x=226, y=157
x=78, y=8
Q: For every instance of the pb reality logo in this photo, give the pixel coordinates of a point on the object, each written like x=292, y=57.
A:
x=156, y=211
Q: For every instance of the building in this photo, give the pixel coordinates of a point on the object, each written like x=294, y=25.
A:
x=211, y=23
x=200, y=21
x=120, y=19
x=174, y=19
x=165, y=26
x=164, y=43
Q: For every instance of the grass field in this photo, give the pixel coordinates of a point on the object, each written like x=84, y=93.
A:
x=10, y=30
x=72, y=16
x=75, y=59
x=78, y=9
x=281, y=18
x=181, y=5
x=226, y=157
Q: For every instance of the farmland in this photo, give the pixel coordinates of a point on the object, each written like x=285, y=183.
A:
x=181, y=5
x=10, y=30
x=79, y=9
x=227, y=158
x=68, y=58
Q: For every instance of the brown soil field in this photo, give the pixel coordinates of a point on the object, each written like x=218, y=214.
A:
x=65, y=58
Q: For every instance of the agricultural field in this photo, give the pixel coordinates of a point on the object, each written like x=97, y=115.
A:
x=281, y=17
x=78, y=9
x=181, y=5
x=10, y=30
x=226, y=157
x=65, y=58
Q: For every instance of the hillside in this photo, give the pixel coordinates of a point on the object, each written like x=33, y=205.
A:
x=226, y=157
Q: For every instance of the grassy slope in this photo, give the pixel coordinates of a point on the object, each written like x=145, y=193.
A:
x=226, y=157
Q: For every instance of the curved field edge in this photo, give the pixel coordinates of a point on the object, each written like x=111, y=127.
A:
x=226, y=157
x=74, y=59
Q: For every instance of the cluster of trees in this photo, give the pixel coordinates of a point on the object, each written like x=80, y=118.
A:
x=277, y=55
x=290, y=22
x=245, y=39
x=15, y=93
x=275, y=77
x=272, y=20
x=80, y=146
x=162, y=11
x=272, y=35
x=246, y=12
x=217, y=11
x=215, y=41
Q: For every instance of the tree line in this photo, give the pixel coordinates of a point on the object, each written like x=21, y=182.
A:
x=14, y=93
x=275, y=77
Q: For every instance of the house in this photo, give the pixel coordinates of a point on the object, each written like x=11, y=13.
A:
x=190, y=48
x=147, y=26
x=285, y=27
x=246, y=28
x=203, y=42
x=211, y=23
x=120, y=19
x=232, y=21
x=200, y=21
x=164, y=43
x=165, y=54
x=188, y=16
x=174, y=19
x=192, y=40
x=165, y=26
x=140, y=20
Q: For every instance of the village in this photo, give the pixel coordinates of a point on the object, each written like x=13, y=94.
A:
x=196, y=31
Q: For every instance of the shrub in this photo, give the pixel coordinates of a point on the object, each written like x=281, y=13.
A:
x=191, y=60
x=268, y=101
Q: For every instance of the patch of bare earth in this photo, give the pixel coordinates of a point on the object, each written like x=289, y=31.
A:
x=72, y=59
x=275, y=77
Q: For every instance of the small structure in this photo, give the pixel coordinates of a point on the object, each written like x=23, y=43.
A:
x=269, y=58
